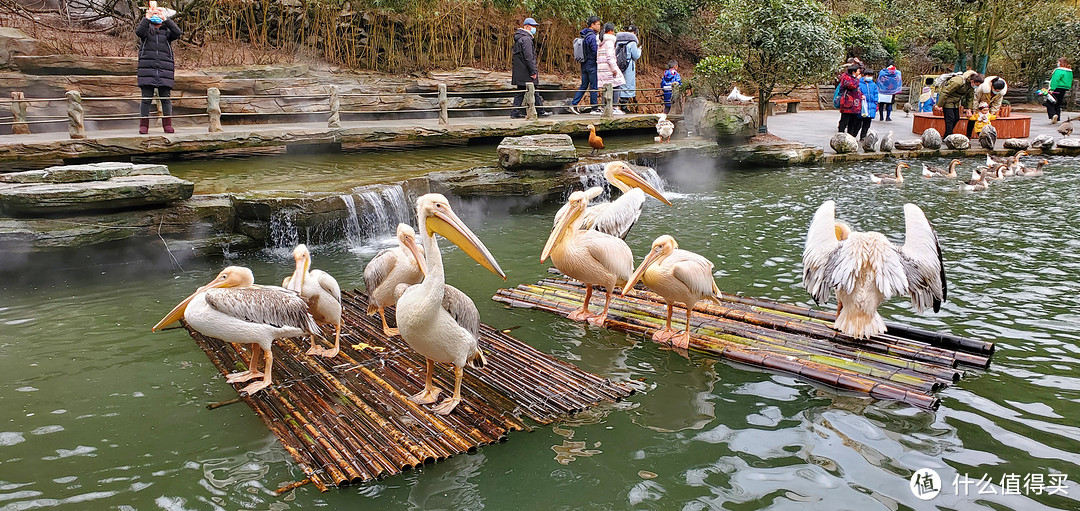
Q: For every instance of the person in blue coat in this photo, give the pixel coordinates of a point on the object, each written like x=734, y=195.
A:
x=588, y=66
x=890, y=83
x=629, y=41
x=869, y=91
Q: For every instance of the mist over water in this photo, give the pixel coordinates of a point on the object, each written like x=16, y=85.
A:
x=98, y=413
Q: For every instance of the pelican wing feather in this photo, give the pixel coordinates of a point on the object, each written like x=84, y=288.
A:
x=618, y=216
x=462, y=309
x=820, y=253
x=921, y=260
x=327, y=283
x=378, y=269
x=611, y=252
x=694, y=271
x=268, y=305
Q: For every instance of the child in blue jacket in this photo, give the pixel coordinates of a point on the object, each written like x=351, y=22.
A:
x=668, y=83
x=870, y=101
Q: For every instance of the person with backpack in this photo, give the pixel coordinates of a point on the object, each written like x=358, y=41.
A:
x=957, y=92
x=668, y=82
x=585, y=52
x=850, y=101
x=524, y=60
x=889, y=83
x=156, y=32
x=869, y=107
x=627, y=52
x=607, y=67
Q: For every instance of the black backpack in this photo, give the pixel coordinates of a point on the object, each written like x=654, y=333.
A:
x=621, y=58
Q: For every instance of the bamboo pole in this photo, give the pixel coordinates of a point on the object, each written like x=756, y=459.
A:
x=18, y=114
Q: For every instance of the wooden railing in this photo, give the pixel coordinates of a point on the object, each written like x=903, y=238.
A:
x=76, y=106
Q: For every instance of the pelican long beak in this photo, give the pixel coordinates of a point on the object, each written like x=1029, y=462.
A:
x=410, y=244
x=649, y=260
x=557, y=232
x=303, y=264
x=628, y=176
x=449, y=226
x=178, y=311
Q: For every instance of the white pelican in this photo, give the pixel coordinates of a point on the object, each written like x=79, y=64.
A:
x=866, y=269
x=592, y=257
x=664, y=128
x=233, y=309
x=438, y=321
x=932, y=171
x=403, y=264
x=679, y=276
x=890, y=179
x=618, y=216
x=322, y=294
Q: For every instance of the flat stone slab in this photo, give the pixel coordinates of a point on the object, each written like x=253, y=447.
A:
x=537, y=152
x=81, y=173
x=74, y=65
x=23, y=199
x=776, y=154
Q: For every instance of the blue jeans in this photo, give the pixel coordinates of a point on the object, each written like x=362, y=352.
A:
x=588, y=83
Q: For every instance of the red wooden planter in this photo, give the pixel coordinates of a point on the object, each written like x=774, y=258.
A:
x=1016, y=126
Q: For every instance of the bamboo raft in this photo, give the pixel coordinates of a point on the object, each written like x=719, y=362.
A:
x=348, y=419
x=905, y=364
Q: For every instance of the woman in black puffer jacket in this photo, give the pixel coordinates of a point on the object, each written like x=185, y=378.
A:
x=156, y=33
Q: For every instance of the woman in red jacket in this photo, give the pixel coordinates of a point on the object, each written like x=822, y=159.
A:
x=851, y=101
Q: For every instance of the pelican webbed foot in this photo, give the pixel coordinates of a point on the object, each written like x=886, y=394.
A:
x=322, y=352
x=426, y=396
x=255, y=387
x=242, y=376
x=390, y=332
x=580, y=315
x=597, y=319
x=663, y=335
x=446, y=406
x=681, y=341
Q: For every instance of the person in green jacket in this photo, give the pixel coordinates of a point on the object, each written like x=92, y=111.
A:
x=958, y=93
x=1060, y=83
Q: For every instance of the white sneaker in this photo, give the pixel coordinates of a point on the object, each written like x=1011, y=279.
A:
x=596, y=111
x=1054, y=119
x=616, y=111
x=573, y=110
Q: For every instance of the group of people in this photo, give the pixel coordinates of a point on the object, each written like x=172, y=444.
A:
x=598, y=50
x=864, y=94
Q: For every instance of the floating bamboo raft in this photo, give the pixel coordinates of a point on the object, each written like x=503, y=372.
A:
x=905, y=364
x=348, y=419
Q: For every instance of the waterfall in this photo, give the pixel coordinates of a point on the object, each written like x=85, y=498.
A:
x=380, y=208
x=353, y=233
x=283, y=232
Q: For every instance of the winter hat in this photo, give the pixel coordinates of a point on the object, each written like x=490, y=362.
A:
x=984, y=105
x=925, y=96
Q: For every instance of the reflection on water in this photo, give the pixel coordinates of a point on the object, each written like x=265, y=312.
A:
x=99, y=413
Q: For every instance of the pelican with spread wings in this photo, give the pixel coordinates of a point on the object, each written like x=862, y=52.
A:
x=618, y=216
x=866, y=269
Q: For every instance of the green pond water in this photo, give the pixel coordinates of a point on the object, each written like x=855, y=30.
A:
x=98, y=413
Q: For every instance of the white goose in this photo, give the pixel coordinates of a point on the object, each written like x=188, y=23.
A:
x=664, y=128
x=438, y=321
x=233, y=309
x=403, y=264
x=322, y=294
x=866, y=269
x=618, y=216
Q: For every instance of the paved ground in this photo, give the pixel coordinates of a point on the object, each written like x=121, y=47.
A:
x=816, y=127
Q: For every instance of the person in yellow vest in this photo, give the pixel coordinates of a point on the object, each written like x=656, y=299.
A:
x=990, y=92
x=980, y=120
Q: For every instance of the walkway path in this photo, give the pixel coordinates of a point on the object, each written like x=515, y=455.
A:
x=816, y=127
x=127, y=142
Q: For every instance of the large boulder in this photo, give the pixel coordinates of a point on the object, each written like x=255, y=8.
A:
x=870, y=141
x=21, y=199
x=537, y=152
x=1017, y=143
x=15, y=42
x=988, y=137
x=888, y=143
x=958, y=141
x=843, y=143
x=911, y=144
x=714, y=120
x=931, y=139
x=1069, y=145
x=1044, y=142
x=776, y=154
